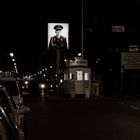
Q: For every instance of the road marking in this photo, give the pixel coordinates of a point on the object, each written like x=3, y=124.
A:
x=131, y=106
x=134, y=107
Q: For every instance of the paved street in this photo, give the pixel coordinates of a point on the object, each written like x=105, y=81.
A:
x=80, y=119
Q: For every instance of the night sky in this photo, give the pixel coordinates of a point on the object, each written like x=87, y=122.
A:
x=24, y=25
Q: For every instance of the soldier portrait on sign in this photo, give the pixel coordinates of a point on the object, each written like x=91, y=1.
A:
x=58, y=36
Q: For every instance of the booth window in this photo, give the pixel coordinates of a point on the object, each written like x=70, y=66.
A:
x=86, y=76
x=71, y=76
x=79, y=75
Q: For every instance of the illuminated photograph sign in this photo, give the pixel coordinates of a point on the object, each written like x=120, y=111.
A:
x=58, y=36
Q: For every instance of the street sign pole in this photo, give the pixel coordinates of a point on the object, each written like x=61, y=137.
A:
x=122, y=80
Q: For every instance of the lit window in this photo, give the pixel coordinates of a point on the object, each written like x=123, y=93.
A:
x=79, y=75
x=86, y=76
x=71, y=76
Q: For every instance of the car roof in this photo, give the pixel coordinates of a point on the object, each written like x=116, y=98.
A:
x=8, y=79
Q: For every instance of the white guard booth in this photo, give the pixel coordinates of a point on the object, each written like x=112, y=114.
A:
x=77, y=77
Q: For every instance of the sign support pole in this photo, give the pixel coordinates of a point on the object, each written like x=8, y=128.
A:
x=58, y=68
x=82, y=32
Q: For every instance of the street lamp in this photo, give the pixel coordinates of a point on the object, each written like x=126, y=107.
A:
x=11, y=54
x=79, y=54
x=13, y=60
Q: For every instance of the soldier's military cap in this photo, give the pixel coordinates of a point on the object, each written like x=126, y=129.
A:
x=58, y=27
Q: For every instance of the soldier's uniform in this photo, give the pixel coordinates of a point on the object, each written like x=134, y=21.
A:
x=58, y=43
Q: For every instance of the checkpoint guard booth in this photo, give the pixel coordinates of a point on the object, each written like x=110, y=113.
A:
x=77, y=78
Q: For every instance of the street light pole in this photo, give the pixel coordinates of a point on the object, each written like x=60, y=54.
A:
x=82, y=32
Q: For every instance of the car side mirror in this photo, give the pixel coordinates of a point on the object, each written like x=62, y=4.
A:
x=23, y=109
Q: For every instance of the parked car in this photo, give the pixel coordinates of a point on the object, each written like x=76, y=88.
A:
x=8, y=104
x=16, y=113
x=8, y=131
x=12, y=88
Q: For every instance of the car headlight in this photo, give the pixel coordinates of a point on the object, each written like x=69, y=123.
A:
x=26, y=82
x=42, y=86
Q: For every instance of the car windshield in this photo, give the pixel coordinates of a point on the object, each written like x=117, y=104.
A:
x=4, y=102
x=11, y=88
